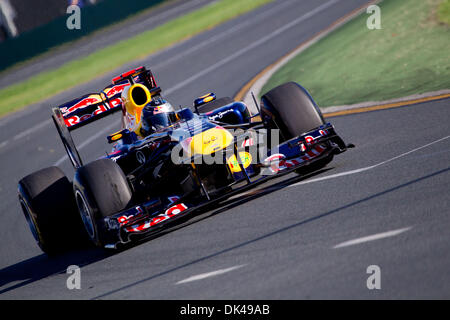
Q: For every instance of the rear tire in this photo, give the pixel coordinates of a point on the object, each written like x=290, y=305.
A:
x=101, y=190
x=47, y=201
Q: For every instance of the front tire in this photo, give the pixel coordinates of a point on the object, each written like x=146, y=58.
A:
x=101, y=190
x=291, y=109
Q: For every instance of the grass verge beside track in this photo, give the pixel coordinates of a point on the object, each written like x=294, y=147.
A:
x=47, y=84
x=409, y=55
x=444, y=12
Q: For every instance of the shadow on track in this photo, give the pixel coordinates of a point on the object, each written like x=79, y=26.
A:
x=42, y=266
x=273, y=233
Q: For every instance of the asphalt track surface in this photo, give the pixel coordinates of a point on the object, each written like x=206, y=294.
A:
x=289, y=239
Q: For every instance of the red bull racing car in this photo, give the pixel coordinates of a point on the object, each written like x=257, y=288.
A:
x=167, y=164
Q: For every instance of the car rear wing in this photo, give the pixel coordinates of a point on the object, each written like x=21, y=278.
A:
x=91, y=107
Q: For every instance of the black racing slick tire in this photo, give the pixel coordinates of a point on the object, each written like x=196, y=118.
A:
x=101, y=190
x=47, y=201
x=215, y=104
x=291, y=109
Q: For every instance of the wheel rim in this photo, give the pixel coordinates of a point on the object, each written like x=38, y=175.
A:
x=86, y=214
x=29, y=217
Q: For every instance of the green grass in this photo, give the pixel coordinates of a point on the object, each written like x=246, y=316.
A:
x=444, y=12
x=409, y=55
x=47, y=84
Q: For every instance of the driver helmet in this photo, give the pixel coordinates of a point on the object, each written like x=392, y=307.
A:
x=157, y=114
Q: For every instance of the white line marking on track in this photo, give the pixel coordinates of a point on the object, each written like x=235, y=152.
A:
x=371, y=238
x=32, y=129
x=210, y=274
x=217, y=37
x=27, y=132
x=346, y=173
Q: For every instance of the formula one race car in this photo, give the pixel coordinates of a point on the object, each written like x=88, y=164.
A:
x=168, y=164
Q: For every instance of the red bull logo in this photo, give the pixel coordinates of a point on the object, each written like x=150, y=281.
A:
x=71, y=121
x=111, y=92
x=161, y=109
x=86, y=102
x=169, y=213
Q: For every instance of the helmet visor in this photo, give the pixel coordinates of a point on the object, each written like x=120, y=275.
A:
x=158, y=121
